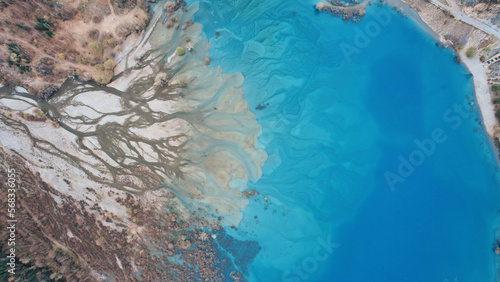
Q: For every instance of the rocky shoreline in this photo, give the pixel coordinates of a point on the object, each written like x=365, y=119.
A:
x=430, y=17
x=474, y=46
x=465, y=40
x=353, y=11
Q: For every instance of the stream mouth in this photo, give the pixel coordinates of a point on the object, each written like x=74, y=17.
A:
x=178, y=125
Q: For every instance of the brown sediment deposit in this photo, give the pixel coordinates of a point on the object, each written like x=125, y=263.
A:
x=62, y=239
x=250, y=193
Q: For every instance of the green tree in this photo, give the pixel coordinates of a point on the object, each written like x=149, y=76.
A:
x=109, y=64
x=180, y=51
x=470, y=52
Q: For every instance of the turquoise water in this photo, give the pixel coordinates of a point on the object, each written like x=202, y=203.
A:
x=340, y=116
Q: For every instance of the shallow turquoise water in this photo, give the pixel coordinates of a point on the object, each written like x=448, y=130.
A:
x=334, y=125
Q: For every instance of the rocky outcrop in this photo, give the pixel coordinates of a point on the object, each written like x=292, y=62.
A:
x=347, y=11
x=474, y=47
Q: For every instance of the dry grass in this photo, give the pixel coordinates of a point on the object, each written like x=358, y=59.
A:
x=75, y=34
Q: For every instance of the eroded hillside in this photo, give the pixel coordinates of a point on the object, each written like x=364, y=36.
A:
x=42, y=43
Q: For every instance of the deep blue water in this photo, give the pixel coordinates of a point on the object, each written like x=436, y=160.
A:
x=341, y=116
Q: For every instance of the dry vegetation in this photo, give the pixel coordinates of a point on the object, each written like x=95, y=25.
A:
x=42, y=42
x=70, y=240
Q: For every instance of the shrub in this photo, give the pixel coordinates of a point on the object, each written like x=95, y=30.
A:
x=93, y=34
x=24, y=69
x=470, y=52
x=14, y=57
x=107, y=43
x=180, y=51
x=96, y=49
x=99, y=67
x=49, y=33
x=487, y=48
x=43, y=21
x=109, y=64
x=102, y=78
x=42, y=24
x=497, y=114
x=14, y=48
x=38, y=113
x=82, y=4
x=495, y=88
x=496, y=101
x=83, y=60
x=142, y=19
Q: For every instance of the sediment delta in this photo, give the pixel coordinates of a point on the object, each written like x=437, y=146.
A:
x=163, y=151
